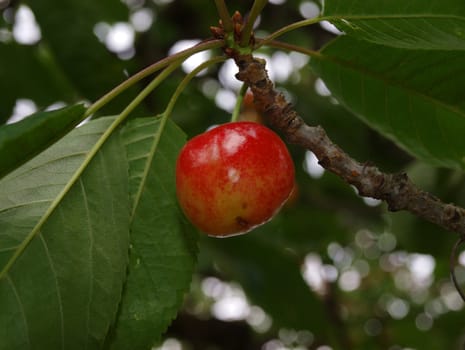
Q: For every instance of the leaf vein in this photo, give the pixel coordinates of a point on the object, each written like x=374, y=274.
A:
x=21, y=307
x=60, y=304
x=91, y=262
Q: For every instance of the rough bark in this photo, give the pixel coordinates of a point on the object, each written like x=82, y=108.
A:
x=397, y=190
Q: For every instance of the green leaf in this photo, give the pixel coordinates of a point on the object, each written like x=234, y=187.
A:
x=410, y=96
x=163, y=247
x=21, y=141
x=269, y=275
x=435, y=24
x=63, y=291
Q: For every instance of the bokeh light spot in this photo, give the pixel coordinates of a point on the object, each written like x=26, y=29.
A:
x=225, y=99
x=397, y=308
x=26, y=31
x=142, y=19
x=329, y=27
x=311, y=165
x=321, y=88
x=373, y=327
x=349, y=280
x=23, y=108
x=308, y=9
x=193, y=61
x=170, y=344
x=424, y=322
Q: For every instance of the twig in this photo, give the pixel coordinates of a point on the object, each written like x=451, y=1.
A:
x=247, y=31
x=224, y=15
x=395, y=189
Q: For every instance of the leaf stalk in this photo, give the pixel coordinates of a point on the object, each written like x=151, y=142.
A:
x=205, y=45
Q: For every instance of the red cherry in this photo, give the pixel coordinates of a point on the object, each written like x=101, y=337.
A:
x=233, y=178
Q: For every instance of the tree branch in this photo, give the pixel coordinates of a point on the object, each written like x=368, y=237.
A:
x=395, y=189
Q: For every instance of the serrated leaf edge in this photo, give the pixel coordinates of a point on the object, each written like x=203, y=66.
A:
x=59, y=198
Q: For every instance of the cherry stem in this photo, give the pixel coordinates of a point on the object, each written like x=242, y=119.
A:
x=282, y=45
x=182, y=85
x=149, y=88
x=204, y=45
x=169, y=109
x=257, y=8
x=166, y=114
x=238, y=105
x=224, y=16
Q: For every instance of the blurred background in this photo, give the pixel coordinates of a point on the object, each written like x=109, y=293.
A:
x=333, y=270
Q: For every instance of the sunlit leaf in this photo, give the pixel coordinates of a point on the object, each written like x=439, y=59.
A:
x=435, y=24
x=63, y=290
x=22, y=140
x=412, y=97
x=163, y=248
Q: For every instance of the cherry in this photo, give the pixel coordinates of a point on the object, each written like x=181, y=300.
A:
x=233, y=178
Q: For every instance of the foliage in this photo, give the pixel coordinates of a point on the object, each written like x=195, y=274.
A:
x=94, y=251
